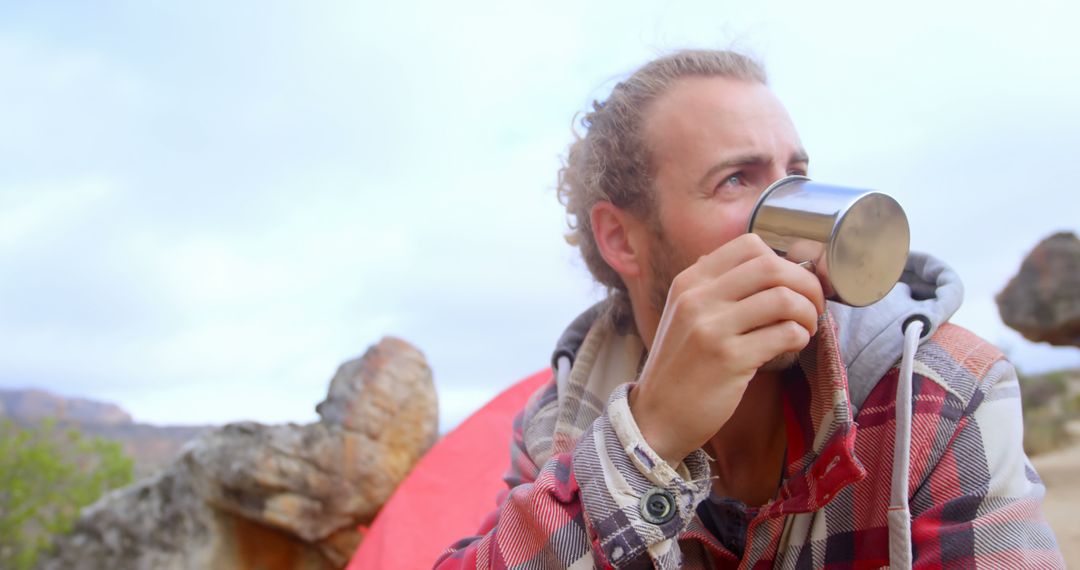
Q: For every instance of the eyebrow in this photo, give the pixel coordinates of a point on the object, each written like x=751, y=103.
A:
x=750, y=160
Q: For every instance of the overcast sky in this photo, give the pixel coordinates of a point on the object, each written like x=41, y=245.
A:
x=205, y=207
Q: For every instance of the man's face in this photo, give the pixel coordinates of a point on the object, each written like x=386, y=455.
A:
x=716, y=144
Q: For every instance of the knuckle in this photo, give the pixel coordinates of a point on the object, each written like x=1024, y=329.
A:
x=680, y=284
x=700, y=336
x=725, y=351
x=763, y=266
x=756, y=242
x=787, y=301
x=687, y=302
x=795, y=334
x=773, y=266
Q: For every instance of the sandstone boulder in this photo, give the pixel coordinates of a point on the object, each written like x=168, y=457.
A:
x=255, y=496
x=1042, y=301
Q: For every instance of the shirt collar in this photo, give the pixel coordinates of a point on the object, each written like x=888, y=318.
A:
x=820, y=428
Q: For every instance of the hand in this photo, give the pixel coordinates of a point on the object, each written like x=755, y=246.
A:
x=726, y=315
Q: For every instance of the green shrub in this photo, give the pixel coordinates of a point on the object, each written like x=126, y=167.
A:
x=1048, y=408
x=1041, y=390
x=46, y=476
x=1044, y=431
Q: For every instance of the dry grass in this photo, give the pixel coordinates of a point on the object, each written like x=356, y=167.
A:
x=1060, y=470
x=1050, y=401
x=1052, y=438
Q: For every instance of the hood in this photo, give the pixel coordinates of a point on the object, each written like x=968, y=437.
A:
x=871, y=338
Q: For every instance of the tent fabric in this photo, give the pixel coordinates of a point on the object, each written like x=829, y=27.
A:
x=451, y=489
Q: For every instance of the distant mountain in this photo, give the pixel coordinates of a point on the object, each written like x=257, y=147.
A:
x=36, y=405
x=152, y=447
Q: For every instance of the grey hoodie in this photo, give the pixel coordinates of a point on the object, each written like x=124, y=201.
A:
x=872, y=337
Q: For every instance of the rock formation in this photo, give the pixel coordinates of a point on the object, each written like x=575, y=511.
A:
x=254, y=496
x=1042, y=301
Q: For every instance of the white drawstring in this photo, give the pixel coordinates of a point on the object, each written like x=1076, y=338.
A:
x=562, y=371
x=900, y=555
x=562, y=376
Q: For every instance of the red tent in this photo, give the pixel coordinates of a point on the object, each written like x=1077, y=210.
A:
x=451, y=489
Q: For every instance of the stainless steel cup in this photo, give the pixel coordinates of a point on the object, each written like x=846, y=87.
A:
x=856, y=241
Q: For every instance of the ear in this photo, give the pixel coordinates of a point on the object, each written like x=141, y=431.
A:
x=619, y=236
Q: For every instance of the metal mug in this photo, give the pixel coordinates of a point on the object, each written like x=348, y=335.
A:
x=855, y=241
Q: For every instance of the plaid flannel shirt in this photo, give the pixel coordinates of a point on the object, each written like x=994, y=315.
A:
x=585, y=490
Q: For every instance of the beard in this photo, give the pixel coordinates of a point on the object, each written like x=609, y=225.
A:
x=664, y=264
x=781, y=362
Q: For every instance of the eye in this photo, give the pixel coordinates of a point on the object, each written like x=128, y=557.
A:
x=733, y=179
x=731, y=186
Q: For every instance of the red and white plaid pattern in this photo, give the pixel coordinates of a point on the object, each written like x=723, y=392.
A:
x=573, y=485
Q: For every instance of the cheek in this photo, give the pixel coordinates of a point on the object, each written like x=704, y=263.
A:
x=736, y=216
x=710, y=228
x=730, y=219
x=733, y=222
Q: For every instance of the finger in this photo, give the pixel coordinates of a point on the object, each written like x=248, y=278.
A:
x=728, y=256
x=766, y=272
x=768, y=342
x=772, y=306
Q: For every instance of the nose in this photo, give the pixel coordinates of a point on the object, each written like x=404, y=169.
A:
x=775, y=173
x=769, y=178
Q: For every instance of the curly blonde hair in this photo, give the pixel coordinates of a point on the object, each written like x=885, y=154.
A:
x=611, y=162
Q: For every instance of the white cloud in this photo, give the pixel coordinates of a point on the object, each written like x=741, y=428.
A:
x=205, y=217
x=31, y=212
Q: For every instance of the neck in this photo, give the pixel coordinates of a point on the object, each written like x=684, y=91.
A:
x=749, y=449
x=646, y=320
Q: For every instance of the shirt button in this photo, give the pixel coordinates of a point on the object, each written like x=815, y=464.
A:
x=658, y=506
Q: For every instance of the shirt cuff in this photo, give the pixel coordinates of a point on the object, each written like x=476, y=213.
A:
x=635, y=503
x=643, y=456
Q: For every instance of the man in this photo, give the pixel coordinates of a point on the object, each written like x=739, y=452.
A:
x=718, y=411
